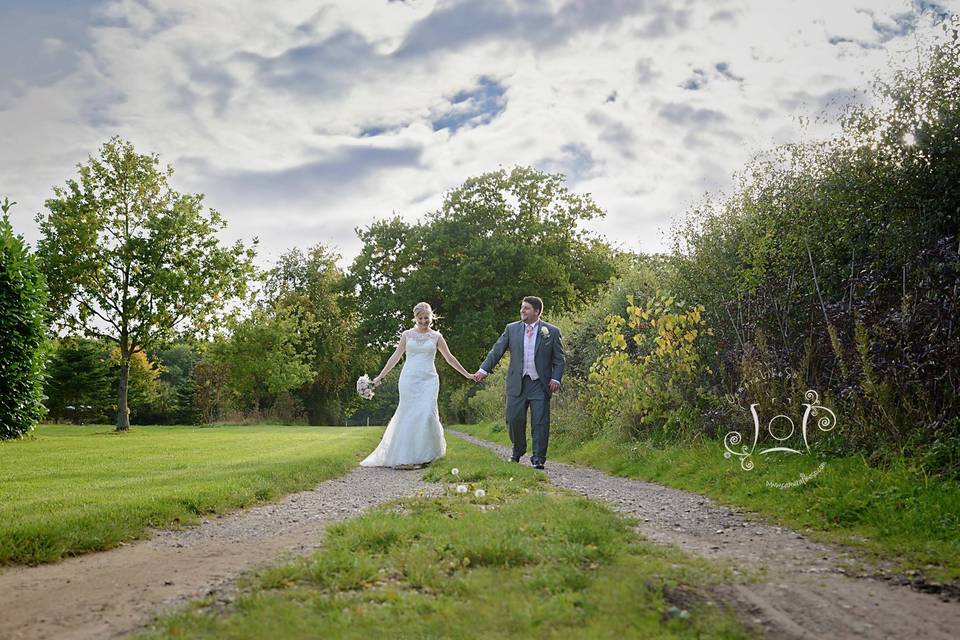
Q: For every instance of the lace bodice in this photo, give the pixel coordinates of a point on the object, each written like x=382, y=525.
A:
x=413, y=334
x=431, y=337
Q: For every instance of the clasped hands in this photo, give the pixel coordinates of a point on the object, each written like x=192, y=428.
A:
x=553, y=385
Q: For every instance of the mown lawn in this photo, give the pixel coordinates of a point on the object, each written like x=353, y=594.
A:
x=525, y=560
x=71, y=489
x=891, y=514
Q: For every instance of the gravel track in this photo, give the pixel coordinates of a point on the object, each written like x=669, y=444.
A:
x=807, y=591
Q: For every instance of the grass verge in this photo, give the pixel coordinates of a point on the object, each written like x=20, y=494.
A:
x=889, y=514
x=523, y=560
x=72, y=489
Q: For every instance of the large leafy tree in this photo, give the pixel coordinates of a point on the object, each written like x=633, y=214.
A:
x=131, y=260
x=496, y=238
x=309, y=285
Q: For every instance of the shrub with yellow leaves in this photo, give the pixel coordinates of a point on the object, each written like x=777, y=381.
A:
x=651, y=375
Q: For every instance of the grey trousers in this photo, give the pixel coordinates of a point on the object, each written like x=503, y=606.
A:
x=534, y=396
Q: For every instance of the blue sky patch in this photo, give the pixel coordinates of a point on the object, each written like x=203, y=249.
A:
x=472, y=108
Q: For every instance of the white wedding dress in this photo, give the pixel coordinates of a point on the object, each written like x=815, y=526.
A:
x=414, y=435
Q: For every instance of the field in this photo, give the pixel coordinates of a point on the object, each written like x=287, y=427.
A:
x=72, y=489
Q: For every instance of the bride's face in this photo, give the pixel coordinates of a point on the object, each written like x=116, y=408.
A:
x=423, y=321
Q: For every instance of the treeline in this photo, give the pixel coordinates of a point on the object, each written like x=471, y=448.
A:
x=154, y=321
x=286, y=357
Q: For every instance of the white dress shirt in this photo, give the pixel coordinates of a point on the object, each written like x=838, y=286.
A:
x=529, y=348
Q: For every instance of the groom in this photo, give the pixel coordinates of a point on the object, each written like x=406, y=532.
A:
x=536, y=368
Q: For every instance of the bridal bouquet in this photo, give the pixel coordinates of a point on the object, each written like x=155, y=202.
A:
x=365, y=387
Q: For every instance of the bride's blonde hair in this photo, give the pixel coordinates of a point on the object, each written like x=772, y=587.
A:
x=421, y=307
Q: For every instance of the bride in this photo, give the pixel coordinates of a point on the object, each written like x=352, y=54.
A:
x=414, y=436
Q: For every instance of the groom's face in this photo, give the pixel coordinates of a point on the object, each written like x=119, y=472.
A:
x=528, y=314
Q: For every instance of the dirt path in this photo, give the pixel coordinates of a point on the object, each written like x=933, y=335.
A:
x=806, y=592
x=110, y=593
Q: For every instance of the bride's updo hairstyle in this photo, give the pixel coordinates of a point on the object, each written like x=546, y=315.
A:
x=422, y=307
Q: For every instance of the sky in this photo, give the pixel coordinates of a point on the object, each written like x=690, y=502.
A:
x=301, y=121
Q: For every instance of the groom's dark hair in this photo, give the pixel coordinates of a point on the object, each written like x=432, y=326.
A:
x=535, y=302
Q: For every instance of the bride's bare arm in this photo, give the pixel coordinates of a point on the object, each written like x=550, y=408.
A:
x=393, y=360
x=451, y=360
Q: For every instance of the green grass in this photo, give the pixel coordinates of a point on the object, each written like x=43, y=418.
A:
x=890, y=514
x=72, y=489
x=525, y=560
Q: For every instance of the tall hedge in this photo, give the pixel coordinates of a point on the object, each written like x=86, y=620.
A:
x=835, y=266
x=23, y=300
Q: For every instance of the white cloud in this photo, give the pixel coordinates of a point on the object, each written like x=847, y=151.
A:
x=300, y=124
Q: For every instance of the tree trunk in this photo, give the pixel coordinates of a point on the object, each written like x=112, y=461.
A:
x=123, y=412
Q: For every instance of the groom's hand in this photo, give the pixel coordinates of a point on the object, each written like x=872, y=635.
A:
x=553, y=385
x=479, y=376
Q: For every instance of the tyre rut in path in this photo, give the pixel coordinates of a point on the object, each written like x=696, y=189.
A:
x=805, y=592
x=110, y=593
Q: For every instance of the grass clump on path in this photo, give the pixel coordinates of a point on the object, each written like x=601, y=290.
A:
x=890, y=514
x=73, y=489
x=523, y=560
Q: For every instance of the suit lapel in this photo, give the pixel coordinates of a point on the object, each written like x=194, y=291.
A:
x=539, y=337
x=519, y=331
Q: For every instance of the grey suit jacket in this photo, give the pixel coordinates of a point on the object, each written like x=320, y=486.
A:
x=549, y=358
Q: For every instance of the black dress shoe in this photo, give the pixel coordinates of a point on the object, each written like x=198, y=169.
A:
x=512, y=459
x=539, y=465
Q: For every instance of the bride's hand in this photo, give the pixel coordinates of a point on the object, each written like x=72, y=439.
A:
x=376, y=381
